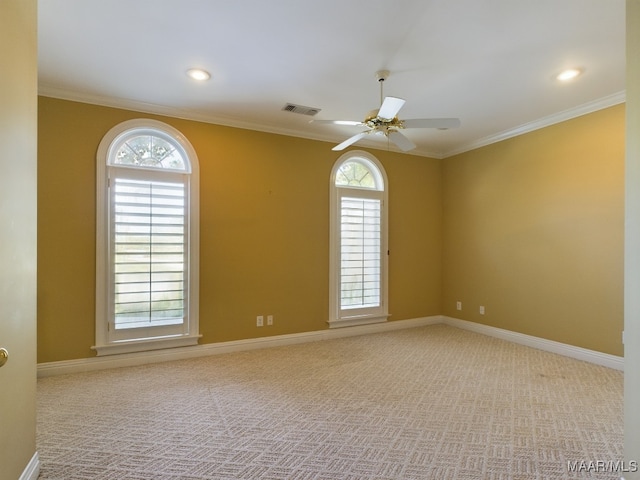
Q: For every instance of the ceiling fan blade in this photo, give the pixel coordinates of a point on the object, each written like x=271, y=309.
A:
x=390, y=108
x=401, y=141
x=441, y=123
x=336, y=122
x=350, y=141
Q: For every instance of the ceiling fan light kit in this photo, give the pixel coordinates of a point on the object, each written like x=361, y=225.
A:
x=384, y=121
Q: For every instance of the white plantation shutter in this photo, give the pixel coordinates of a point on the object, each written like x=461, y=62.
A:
x=149, y=252
x=360, y=244
x=358, y=266
x=147, y=239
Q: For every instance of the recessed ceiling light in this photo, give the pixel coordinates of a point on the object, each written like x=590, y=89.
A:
x=198, y=74
x=568, y=74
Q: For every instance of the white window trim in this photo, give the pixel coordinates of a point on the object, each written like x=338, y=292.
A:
x=338, y=318
x=104, y=345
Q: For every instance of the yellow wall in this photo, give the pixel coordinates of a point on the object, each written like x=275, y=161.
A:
x=533, y=230
x=264, y=227
x=18, y=137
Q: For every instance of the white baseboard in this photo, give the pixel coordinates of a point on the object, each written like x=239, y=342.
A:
x=140, y=358
x=591, y=356
x=33, y=469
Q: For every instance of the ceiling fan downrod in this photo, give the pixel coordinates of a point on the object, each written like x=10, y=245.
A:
x=384, y=121
x=381, y=76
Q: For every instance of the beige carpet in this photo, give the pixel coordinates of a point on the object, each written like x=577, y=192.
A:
x=427, y=403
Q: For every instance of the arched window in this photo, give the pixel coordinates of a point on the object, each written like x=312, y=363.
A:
x=147, y=239
x=358, y=256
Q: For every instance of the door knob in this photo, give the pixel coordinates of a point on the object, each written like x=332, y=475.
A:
x=4, y=356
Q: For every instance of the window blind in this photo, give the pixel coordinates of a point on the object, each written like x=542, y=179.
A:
x=148, y=245
x=360, y=240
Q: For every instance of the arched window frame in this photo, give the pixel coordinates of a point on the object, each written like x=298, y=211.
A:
x=339, y=316
x=108, y=340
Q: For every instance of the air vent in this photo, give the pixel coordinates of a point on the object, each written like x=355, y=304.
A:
x=301, y=109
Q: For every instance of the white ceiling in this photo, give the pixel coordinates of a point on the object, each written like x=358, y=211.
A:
x=490, y=63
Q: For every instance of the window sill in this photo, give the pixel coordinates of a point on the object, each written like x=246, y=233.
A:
x=131, y=346
x=357, y=320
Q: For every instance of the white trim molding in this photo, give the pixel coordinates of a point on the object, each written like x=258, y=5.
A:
x=141, y=358
x=110, y=340
x=377, y=196
x=591, y=356
x=356, y=320
x=189, y=114
x=584, y=109
x=146, y=344
x=32, y=470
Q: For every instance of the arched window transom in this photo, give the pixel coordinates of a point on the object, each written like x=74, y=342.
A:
x=359, y=173
x=147, y=239
x=358, y=269
x=141, y=148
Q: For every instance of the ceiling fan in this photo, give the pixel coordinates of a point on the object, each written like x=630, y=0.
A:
x=384, y=121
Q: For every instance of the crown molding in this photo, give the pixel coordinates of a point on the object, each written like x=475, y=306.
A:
x=155, y=109
x=590, y=107
x=187, y=114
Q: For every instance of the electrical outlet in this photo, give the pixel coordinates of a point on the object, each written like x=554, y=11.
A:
x=259, y=321
x=458, y=305
x=269, y=320
x=481, y=309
